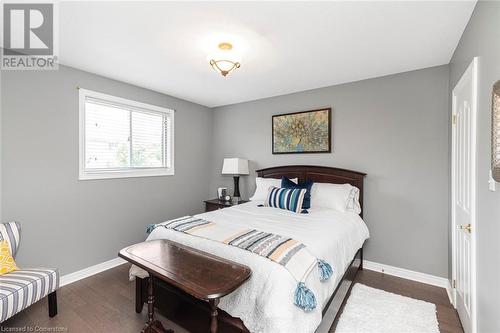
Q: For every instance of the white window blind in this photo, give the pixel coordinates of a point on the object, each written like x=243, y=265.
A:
x=123, y=138
x=495, y=135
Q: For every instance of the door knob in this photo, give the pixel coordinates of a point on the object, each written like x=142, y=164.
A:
x=466, y=227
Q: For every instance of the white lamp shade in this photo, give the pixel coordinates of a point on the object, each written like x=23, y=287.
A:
x=235, y=166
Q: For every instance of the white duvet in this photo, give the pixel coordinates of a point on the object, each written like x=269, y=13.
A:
x=265, y=301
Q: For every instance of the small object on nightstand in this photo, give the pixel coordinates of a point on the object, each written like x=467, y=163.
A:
x=221, y=193
x=215, y=204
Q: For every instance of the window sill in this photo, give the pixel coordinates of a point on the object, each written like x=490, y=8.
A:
x=125, y=174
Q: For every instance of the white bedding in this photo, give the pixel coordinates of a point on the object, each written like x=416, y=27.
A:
x=265, y=301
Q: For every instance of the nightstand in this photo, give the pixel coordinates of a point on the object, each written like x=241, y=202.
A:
x=214, y=204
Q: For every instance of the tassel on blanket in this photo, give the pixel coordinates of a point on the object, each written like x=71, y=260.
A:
x=304, y=298
x=150, y=228
x=325, y=270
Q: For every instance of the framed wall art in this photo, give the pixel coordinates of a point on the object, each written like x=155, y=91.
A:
x=302, y=132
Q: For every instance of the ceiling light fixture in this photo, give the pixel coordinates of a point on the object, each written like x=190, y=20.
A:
x=225, y=60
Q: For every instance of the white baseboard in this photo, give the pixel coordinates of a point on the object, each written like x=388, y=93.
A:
x=89, y=271
x=406, y=274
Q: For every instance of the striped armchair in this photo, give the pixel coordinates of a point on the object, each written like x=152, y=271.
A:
x=22, y=288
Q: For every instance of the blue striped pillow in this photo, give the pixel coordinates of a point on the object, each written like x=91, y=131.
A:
x=286, y=198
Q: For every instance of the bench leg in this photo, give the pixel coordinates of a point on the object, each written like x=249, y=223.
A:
x=139, y=299
x=52, y=304
x=153, y=325
x=213, y=314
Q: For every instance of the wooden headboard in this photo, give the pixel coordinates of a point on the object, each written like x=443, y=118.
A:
x=318, y=174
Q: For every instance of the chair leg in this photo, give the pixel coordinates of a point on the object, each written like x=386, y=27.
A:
x=52, y=304
x=361, y=259
x=139, y=299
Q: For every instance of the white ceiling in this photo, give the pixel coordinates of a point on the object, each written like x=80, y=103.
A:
x=286, y=46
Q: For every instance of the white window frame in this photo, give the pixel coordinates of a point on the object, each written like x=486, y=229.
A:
x=121, y=172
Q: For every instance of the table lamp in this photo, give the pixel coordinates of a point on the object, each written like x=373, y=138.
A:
x=235, y=167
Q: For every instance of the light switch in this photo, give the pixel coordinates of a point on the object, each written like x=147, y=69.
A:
x=492, y=182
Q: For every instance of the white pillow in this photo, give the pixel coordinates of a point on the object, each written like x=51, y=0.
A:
x=262, y=187
x=340, y=197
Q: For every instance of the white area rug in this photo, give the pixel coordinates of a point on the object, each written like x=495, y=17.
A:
x=370, y=310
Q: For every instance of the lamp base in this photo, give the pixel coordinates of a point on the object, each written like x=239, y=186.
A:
x=236, y=193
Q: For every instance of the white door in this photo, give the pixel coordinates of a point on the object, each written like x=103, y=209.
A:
x=464, y=195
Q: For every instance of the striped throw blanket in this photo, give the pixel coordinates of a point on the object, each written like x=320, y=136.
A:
x=285, y=251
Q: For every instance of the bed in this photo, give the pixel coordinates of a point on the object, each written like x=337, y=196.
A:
x=263, y=303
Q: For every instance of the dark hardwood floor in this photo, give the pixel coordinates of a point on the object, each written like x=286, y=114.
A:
x=105, y=303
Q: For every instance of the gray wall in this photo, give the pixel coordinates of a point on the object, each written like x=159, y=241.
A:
x=482, y=38
x=395, y=129
x=74, y=224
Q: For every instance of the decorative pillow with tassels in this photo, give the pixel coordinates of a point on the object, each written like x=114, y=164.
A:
x=283, y=198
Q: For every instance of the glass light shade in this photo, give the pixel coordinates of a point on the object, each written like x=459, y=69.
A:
x=224, y=65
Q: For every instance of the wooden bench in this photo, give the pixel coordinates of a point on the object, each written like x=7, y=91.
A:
x=199, y=274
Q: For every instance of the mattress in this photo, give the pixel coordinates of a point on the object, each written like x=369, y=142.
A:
x=265, y=302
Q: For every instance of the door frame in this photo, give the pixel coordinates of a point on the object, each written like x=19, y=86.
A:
x=473, y=69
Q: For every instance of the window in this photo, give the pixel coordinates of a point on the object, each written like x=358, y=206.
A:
x=495, y=135
x=123, y=138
